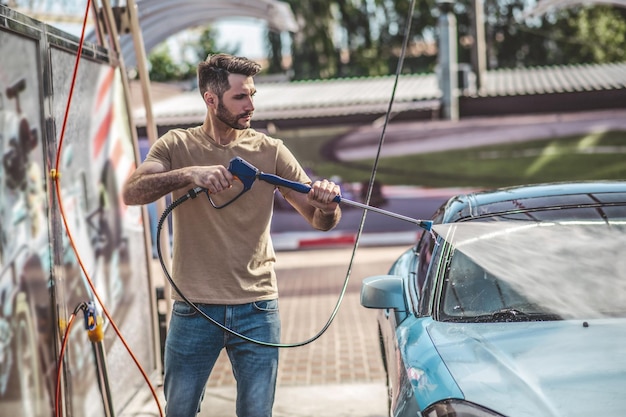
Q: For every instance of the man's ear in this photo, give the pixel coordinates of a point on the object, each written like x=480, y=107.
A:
x=210, y=99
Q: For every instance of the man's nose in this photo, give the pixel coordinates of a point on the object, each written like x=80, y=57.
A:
x=249, y=105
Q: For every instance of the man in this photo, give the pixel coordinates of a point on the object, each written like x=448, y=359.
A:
x=223, y=258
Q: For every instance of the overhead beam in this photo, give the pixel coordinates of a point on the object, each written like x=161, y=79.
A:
x=160, y=19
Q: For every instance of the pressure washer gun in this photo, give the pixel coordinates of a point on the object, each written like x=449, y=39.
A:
x=247, y=174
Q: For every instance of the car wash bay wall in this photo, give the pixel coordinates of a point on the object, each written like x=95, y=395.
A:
x=60, y=207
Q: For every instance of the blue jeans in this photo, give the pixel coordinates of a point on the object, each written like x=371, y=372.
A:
x=193, y=345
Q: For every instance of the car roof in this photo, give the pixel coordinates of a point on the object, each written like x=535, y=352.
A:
x=532, y=197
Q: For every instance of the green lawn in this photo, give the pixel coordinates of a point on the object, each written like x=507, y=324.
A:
x=590, y=157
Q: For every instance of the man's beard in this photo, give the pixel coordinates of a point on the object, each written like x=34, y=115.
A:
x=229, y=118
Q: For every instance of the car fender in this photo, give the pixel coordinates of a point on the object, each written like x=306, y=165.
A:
x=425, y=378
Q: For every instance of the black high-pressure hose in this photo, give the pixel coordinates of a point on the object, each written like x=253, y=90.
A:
x=193, y=194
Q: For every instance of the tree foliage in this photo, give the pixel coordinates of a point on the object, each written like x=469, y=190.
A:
x=347, y=38
x=162, y=66
x=593, y=34
x=350, y=38
x=582, y=34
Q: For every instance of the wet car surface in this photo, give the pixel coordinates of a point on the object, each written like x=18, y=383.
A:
x=514, y=304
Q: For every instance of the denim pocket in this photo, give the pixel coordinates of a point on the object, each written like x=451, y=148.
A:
x=182, y=309
x=266, y=305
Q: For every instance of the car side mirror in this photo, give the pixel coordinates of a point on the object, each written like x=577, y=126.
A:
x=383, y=292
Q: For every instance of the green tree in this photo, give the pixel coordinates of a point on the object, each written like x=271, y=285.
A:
x=206, y=44
x=312, y=48
x=161, y=65
x=274, y=53
x=346, y=38
x=594, y=34
x=164, y=68
x=363, y=37
x=582, y=34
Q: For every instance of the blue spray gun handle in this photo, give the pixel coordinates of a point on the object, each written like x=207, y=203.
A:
x=247, y=174
x=296, y=186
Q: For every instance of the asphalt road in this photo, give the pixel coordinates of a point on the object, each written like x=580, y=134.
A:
x=404, y=138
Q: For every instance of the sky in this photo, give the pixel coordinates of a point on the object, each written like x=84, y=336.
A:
x=249, y=34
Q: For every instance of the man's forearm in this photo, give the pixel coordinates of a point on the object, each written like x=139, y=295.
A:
x=326, y=221
x=146, y=188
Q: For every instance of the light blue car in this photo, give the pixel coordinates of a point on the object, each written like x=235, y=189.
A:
x=514, y=305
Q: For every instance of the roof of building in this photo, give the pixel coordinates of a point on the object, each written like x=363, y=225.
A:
x=344, y=97
x=558, y=79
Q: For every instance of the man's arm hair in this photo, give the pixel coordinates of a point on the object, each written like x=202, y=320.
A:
x=148, y=184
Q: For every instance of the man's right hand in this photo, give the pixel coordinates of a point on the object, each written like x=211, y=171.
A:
x=214, y=178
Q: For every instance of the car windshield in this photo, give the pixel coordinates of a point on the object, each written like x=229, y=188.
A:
x=523, y=271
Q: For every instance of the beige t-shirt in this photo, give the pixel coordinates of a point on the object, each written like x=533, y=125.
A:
x=225, y=256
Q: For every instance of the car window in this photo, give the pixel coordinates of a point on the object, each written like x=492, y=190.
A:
x=471, y=291
x=523, y=271
x=540, y=203
x=612, y=212
x=429, y=288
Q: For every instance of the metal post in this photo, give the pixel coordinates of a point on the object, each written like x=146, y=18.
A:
x=479, y=50
x=95, y=333
x=103, y=378
x=151, y=129
x=448, y=66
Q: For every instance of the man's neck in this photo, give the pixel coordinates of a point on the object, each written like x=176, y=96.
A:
x=222, y=135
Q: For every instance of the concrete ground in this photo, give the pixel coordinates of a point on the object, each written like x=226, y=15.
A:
x=333, y=400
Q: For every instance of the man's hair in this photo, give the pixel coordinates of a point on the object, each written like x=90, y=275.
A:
x=214, y=71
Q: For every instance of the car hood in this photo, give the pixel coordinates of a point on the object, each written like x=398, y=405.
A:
x=560, y=368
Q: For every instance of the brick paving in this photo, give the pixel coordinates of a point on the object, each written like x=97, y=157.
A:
x=309, y=285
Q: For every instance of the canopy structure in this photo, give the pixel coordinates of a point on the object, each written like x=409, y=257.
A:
x=160, y=19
